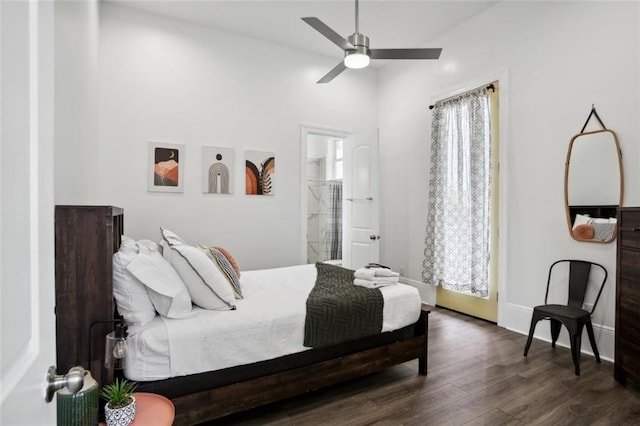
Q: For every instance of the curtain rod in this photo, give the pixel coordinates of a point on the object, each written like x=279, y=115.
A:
x=489, y=87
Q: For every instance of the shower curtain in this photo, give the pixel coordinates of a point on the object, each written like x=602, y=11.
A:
x=324, y=221
x=333, y=230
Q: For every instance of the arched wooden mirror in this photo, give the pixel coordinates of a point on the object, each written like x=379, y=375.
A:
x=593, y=186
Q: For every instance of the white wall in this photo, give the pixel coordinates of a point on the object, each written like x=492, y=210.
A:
x=558, y=59
x=76, y=100
x=168, y=81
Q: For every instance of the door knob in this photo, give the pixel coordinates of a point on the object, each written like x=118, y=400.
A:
x=374, y=237
x=73, y=380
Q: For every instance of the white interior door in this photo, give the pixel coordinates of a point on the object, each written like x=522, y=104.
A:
x=362, y=207
x=27, y=297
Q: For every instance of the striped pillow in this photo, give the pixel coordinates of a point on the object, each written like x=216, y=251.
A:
x=231, y=260
x=225, y=267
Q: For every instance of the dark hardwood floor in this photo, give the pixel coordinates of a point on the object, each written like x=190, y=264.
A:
x=477, y=376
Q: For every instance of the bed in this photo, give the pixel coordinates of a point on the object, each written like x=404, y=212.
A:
x=237, y=381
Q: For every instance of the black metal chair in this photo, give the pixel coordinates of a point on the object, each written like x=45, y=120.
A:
x=571, y=315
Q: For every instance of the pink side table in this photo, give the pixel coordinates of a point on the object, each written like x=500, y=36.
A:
x=153, y=410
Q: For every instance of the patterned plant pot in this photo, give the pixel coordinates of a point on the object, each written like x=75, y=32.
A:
x=122, y=416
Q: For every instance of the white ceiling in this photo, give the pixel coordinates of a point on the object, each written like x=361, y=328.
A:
x=388, y=24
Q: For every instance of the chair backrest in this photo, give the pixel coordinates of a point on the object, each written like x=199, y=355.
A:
x=579, y=272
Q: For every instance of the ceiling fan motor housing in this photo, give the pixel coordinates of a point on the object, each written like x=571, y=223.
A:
x=360, y=42
x=358, y=56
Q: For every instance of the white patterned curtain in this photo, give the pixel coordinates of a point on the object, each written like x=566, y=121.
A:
x=456, y=254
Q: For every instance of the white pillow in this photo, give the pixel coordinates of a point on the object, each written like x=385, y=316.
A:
x=170, y=237
x=207, y=286
x=151, y=245
x=581, y=219
x=132, y=299
x=167, y=292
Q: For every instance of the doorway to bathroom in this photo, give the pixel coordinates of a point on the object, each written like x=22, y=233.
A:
x=339, y=203
x=324, y=183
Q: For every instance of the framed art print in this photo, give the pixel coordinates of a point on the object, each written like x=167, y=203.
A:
x=166, y=167
x=260, y=168
x=217, y=170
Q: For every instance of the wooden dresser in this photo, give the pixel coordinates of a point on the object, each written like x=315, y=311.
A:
x=86, y=237
x=627, y=358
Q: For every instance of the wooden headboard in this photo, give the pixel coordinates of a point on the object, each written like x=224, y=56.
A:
x=85, y=239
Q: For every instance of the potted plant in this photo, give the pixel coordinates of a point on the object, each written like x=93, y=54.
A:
x=120, y=409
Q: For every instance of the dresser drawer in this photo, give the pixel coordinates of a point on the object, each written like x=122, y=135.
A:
x=629, y=237
x=629, y=218
x=628, y=357
x=628, y=327
x=629, y=295
x=629, y=264
x=629, y=228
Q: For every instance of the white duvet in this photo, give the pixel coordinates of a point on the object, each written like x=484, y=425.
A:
x=268, y=323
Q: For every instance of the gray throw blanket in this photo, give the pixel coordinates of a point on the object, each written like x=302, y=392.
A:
x=338, y=311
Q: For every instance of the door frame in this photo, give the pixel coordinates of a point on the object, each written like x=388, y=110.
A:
x=305, y=131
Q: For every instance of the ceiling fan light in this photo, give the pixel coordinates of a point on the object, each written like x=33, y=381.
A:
x=356, y=60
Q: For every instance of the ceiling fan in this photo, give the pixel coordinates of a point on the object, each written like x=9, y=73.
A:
x=357, y=53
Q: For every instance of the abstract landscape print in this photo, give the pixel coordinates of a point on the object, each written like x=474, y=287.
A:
x=165, y=170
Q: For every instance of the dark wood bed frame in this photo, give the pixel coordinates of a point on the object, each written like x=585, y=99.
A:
x=87, y=237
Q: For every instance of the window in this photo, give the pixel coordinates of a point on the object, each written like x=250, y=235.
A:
x=339, y=160
x=335, y=160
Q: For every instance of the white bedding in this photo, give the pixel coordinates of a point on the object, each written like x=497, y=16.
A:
x=268, y=323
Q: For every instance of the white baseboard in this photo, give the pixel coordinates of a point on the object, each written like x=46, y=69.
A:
x=518, y=319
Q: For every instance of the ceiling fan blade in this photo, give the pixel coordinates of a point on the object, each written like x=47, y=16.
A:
x=405, y=53
x=323, y=29
x=333, y=73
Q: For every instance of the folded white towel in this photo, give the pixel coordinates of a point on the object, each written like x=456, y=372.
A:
x=369, y=273
x=390, y=280
x=385, y=272
x=371, y=284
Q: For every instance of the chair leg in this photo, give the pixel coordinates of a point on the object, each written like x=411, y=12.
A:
x=555, y=331
x=592, y=340
x=532, y=328
x=576, y=342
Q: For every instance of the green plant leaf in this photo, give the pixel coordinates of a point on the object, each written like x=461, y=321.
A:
x=118, y=393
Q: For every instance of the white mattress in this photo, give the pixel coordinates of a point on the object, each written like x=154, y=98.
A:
x=268, y=323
